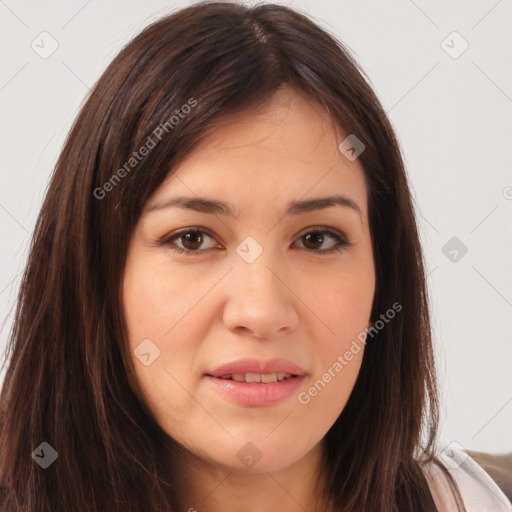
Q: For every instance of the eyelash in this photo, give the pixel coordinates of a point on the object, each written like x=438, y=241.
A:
x=168, y=240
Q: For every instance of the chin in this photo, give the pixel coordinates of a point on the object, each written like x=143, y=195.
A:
x=260, y=457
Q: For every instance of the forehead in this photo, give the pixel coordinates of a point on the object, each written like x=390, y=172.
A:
x=282, y=151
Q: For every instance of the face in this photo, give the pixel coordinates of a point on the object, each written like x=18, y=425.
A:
x=264, y=283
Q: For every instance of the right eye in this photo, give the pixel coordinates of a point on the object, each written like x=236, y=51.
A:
x=191, y=237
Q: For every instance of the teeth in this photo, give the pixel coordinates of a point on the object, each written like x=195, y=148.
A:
x=268, y=377
x=258, y=377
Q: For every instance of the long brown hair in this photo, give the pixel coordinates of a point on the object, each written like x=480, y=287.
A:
x=70, y=380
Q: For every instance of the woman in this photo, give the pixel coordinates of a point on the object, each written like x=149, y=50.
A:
x=224, y=306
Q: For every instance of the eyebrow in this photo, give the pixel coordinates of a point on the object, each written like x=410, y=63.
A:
x=216, y=207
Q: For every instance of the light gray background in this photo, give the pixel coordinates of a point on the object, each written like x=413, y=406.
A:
x=452, y=116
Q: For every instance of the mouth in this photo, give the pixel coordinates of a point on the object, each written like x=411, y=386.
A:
x=254, y=370
x=257, y=383
x=256, y=389
x=256, y=378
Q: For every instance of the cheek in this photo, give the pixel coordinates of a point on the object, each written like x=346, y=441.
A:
x=142, y=303
x=152, y=301
x=159, y=309
x=327, y=393
x=342, y=302
x=149, y=317
x=343, y=306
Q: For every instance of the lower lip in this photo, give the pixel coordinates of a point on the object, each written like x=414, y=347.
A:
x=256, y=394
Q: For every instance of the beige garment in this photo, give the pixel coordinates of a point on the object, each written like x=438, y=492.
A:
x=478, y=490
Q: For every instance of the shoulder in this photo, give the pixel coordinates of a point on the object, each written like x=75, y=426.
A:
x=478, y=490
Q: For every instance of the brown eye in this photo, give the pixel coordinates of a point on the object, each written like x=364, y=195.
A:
x=191, y=241
x=314, y=239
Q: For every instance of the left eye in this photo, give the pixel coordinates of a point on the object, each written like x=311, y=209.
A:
x=194, y=238
x=319, y=235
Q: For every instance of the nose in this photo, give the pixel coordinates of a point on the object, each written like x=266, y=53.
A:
x=260, y=299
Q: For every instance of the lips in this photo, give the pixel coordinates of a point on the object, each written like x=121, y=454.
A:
x=254, y=383
x=251, y=394
x=254, y=366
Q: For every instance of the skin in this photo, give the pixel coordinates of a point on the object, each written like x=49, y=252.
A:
x=295, y=301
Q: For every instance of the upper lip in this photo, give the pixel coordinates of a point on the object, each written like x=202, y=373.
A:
x=250, y=365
